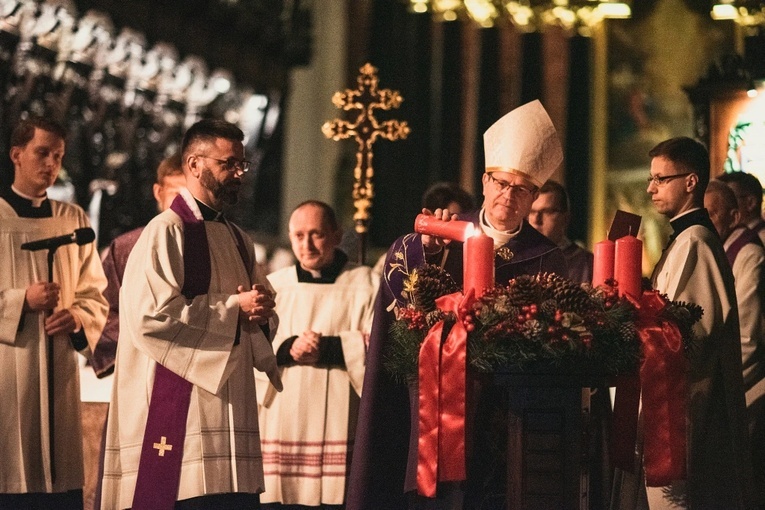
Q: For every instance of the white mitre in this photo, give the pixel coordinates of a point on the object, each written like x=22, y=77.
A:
x=524, y=142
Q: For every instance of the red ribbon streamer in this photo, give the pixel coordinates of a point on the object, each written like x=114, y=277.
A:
x=428, y=387
x=442, y=373
x=664, y=372
x=662, y=382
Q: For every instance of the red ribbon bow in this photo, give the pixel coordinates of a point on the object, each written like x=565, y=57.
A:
x=662, y=383
x=441, y=442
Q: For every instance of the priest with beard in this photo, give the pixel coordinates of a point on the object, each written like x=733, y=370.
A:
x=195, y=319
x=522, y=150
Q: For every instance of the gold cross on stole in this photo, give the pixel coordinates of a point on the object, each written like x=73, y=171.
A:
x=162, y=446
x=365, y=130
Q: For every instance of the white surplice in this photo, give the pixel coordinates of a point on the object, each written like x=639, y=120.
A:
x=195, y=339
x=749, y=272
x=24, y=429
x=694, y=268
x=307, y=430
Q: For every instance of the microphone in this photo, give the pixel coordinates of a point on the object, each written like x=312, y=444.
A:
x=80, y=236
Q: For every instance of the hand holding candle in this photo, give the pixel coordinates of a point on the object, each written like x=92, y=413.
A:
x=455, y=230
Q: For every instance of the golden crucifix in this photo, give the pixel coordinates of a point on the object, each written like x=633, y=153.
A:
x=365, y=130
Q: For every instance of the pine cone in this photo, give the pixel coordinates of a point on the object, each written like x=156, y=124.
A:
x=431, y=318
x=432, y=283
x=534, y=331
x=522, y=291
x=548, y=308
x=572, y=298
x=549, y=282
x=627, y=332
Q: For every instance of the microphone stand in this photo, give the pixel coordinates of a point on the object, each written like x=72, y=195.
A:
x=80, y=236
x=51, y=402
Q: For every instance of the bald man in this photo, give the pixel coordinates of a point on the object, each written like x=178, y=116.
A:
x=325, y=307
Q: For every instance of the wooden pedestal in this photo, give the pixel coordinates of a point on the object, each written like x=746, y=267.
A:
x=556, y=443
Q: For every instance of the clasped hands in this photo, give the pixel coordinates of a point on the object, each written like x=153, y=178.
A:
x=305, y=348
x=434, y=244
x=43, y=297
x=257, y=304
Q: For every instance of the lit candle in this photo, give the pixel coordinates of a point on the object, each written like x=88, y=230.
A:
x=603, y=263
x=478, y=264
x=628, y=267
x=456, y=230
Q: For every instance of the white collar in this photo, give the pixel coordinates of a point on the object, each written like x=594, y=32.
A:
x=500, y=237
x=685, y=212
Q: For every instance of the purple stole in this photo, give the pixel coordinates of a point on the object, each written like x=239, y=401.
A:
x=159, y=470
x=746, y=237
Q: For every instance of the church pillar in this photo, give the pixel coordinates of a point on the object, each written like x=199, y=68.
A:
x=471, y=61
x=599, y=141
x=555, y=75
x=310, y=159
x=509, y=72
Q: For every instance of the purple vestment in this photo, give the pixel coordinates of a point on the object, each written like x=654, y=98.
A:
x=382, y=450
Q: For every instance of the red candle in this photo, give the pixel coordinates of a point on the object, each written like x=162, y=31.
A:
x=628, y=268
x=603, y=263
x=478, y=264
x=455, y=230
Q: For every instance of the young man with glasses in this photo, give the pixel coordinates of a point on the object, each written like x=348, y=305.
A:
x=522, y=151
x=694, y=268
x=195, y=319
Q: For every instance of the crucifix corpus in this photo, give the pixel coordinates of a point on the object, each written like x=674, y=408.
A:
x=365, y=130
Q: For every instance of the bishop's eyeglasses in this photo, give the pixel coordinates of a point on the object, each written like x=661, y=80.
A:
x=504, y=187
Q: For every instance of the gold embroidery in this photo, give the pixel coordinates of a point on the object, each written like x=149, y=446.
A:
x=162, y=446
x=505, y=254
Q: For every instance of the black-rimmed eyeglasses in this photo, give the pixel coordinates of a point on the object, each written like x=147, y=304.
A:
x=504, y=187
x=658, y=180
x=230, y=164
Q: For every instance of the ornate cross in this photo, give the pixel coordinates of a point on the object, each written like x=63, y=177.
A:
x=162, y=446
x=365, y=130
